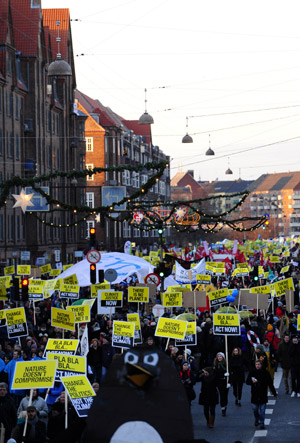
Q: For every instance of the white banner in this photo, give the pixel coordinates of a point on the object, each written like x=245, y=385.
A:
x=182, y=275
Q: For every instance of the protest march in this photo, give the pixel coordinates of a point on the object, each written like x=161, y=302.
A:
x=80, y=362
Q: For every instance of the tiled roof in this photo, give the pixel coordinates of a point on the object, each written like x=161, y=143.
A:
x=26, y=26
x=176, y=179
x=93, y=125
x=143, y=130
x=276, y=182
x=50, y=17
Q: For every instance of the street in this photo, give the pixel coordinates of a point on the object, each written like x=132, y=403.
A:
x=282, y=419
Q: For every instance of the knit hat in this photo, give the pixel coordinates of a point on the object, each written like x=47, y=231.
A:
x=269, y=327
x=221, y=353
x=260, y=347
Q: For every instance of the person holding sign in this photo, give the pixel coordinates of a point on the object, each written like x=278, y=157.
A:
x=221, y=380
x=260, y=380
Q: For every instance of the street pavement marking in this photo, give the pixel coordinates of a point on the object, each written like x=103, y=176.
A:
x=269, y=411
x=267, y=421
x=260, y=433
x=271, y=402
x=277, y=378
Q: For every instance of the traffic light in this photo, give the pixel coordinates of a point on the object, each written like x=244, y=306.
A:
x=255, y=272
x=24, y=285
x=160, y=230
x=93, y=274
x=163, y=270
x=93, y=242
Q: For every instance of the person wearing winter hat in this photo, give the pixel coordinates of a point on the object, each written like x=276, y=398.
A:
x=260, y=354
x=221, y=380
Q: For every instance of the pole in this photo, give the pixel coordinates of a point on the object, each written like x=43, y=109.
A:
x=66, y=410
x=226, y=356
x=29, y=404
x=167, y=344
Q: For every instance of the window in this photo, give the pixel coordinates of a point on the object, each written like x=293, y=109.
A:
x=1, y=227
x=90, y=199
x=136, y=233
x=18, y=233
x=144, y=179
x=89, y=144
x=17, y=147
x=90, y=177
x=8, y=68
x=81, y=162
x=126, y=229
x=126, y=178
x=1, y=143
x=0, y=100
x=89, y=224
x=16, y=108
x=11, y=145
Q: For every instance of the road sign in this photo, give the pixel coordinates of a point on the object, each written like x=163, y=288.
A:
x=93, y=256
x=110, y=275
x=40, y=203
x=152, y=279
x=114, y=194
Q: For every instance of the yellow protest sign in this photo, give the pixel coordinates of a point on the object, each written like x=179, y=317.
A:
x=89, y=302
x=171, y=299
x=16, y=322
x=284, y=269
x=282, y=285
x=6, y=281
x=190, y=338
x=134, y=318
x=218, y=297
x=62, y=319
x=3, y=293
x=69, y=291
x=55, y=272
x=138, y=294
x=37, y=374
x=36, y=282
x=274, y=259
x=52, y=285
x=298, y=322
x=35, y=293
x=265, y=289
x=65, y=267
x=62, y=345
x=242, y=265
x=98, y=287
x=81, y=393
x=123, y=334
x=9, y=270
x=286, y=254
x=2, y=317
x=167, y=327
x=226, y=324
x=68, y=365
x=153, y=253
x=203, y=279
x=71, y=280
x=111, y=299
x=177, y=288
x=240, y=272
x=78, y=387
x=82, y=313
x=23, y=269
x=45, y=269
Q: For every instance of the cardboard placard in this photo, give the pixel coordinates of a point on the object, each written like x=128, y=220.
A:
x=283, y=285
x=62, y=346
x=171, y=299
x=99, y=287
x=82, y=313
x=60, y=318
x=38, y=374
x=16, y=322
x=190, y=338
x=80, y=392
x=218, y=297
x=135, y=318
x=69, y=290
x=289, y=300
x=138, y=294
x=68, y=365
x=123, y=334
x=23, y=269
x=167, y=327
x=108, y=299
x=226, y=324
x=190, y=302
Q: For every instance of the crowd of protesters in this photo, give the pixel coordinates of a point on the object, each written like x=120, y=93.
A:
x=254, y=362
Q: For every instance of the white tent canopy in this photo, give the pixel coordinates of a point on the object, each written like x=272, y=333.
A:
x=124, y=264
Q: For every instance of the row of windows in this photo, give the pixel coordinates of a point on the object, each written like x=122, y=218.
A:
x=12, y=145
x=9, y=99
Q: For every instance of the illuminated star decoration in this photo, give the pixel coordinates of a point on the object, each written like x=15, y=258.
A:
x=180, y=213
x=97, y=218
x=23, y=200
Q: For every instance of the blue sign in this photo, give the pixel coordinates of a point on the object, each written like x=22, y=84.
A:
x=40, y=203
x=114, y=194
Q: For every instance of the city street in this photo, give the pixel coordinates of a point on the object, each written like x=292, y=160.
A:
x=282, y=419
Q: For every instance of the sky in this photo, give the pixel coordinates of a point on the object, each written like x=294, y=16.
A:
x=232, y=67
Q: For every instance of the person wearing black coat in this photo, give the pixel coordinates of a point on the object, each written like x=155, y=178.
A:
x=294, y=353
x=208, y=395
x=35, y=431
x=237, y=374
x=260, y=380
x=284, y=359
x=8, y=411
x=221, y=379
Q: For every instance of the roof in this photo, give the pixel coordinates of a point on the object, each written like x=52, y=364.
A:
x=276, y=182
x=26, y=22
x=93, y=125
x=50, y=17
x=143, y=130
x=106, y=116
